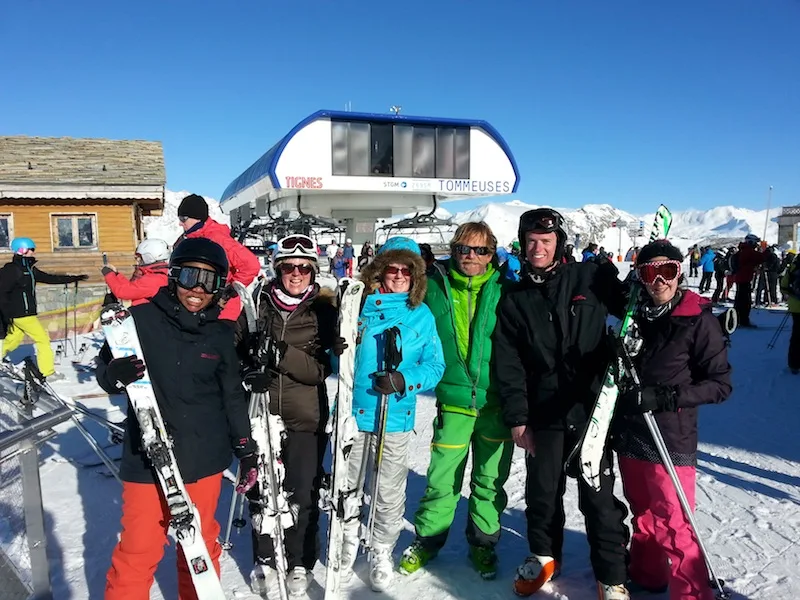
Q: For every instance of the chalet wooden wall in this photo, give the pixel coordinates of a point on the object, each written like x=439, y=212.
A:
x=116, y=235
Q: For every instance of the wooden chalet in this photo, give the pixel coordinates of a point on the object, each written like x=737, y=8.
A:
x=78, y=198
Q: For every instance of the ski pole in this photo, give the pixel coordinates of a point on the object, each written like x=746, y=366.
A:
x=75, y=319
x=778, y=331
x=66, y=322
x=663, y=453
x=226, y=543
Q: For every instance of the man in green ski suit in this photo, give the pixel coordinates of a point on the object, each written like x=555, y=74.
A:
x=463, y=295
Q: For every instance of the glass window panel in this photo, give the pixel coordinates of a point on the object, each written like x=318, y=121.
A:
x=339, y=147
x=381, y=149
x=403, y=136
x=4, y=241
x=64, y=226
x=445, y=163
x=85, y=232
x=358, y=149
x=461, y=147
x=424, y=152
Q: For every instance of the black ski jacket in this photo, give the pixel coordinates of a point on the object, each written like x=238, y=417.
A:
x=193, y=366
x=552, y=345
x=687, y=351
x=18, y=280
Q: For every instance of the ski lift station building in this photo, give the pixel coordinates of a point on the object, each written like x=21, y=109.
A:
x=355, y=168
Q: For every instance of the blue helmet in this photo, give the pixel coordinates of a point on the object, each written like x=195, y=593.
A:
x=21, y=244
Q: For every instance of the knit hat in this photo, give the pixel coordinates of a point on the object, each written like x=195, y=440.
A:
x=400, y=243
x=658, y=248
x=194, y=207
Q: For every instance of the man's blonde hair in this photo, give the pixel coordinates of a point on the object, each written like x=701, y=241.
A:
x=467, y=230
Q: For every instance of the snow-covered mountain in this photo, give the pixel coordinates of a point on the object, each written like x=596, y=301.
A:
x=722, y=225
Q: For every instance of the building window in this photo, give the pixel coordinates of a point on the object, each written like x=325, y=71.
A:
x=381, y=149
x=6, y=232
x=350, y=148
x=452, y=152
x=74, y=232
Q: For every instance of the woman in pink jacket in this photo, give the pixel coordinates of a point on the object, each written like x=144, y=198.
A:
x=149, y=276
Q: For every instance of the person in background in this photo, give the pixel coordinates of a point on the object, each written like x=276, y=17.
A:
x=349, y=254
x=332, y=250
x=720, y=269
x=191, y=361
x=366, y=255
x=18, y=279
x=569, y=254
x=790, y=286
x=463, y=294
x=706, y=263
x=589, y=252
x=149, y=276
x=772, y=272
x=339, y=264
x=395, y=285
x=682, y=366
x=243, y=264
x=427, y=255
x=745, y=262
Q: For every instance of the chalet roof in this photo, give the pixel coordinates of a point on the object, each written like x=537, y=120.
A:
x=83, y=161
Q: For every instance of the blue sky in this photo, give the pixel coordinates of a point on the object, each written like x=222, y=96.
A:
x=695, y=103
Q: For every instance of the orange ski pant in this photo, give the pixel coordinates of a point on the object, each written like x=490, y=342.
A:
x=144, y=534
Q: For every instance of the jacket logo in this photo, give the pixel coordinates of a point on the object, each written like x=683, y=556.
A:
x=209, y=356
x=578, y=298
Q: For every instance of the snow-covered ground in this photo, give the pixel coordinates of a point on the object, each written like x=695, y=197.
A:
x=748, y=497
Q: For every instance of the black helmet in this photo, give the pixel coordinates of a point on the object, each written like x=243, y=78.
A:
x=200, y=250
x=544, y=220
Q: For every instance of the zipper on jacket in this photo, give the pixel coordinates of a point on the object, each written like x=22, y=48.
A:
x=280, y=375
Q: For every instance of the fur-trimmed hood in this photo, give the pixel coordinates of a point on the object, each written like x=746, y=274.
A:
x=372, y=273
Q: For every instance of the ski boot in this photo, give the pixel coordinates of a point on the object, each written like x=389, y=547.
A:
x=381, y=569
x=534, y=573
x=484, y=559
x=612, y=592
x=263, y=578
x=297, y=581
x=350, y=545
x=415, y=557
x=55, y=376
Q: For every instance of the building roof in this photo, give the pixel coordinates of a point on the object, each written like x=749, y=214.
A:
x=82, y=161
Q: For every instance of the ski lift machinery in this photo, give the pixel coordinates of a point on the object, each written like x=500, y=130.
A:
x=355, y=171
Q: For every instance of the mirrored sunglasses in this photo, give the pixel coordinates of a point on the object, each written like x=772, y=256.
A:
x=191, y=277
x=667, y=270
x=406, y=272
x=464, y=250
x=288, y=268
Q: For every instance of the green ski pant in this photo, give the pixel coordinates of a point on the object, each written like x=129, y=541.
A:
x=454, y=435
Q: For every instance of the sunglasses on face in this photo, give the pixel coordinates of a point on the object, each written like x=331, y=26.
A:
x=288, y=269
x=666, y=270
x=183, y=218
x=191, y=277
x=405, y=271
x=464, y=250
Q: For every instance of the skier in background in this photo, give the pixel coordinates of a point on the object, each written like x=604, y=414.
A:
x=706, y=263
x=430, y=260
x=772, y=271
x=395, y=288
x=243, y=264
x=745, y=262
x=149, y=276
x=569, y=253
x=589, y=252
x=463, y=294
x=683, y=365
x=694, y=261
x=339, y=265
x=366, y=255
x=720, y=270
x=553, y=352
x=298, y=324
x=194, y=370
x=18, y=280
x=349, y=254
x=790, y=286
x=331, y=251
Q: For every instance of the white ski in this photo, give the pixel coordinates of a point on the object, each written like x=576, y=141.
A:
x=593, y=443
x=343, y=504
x=120, y=331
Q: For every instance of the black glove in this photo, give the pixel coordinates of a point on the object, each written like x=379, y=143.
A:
x=124, y=371
x=106, y=270
x=257, y=381
x=389, y=383
x=655, y=398
x=339, y=346
x=274, y=353
x=248, y=473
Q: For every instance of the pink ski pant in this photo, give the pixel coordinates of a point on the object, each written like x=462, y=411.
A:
x=664, y=550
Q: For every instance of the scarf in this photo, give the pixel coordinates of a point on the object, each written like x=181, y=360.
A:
x=651, y=312
x=286, y=302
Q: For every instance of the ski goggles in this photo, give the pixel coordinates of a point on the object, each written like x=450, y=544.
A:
x=191, y=277
x=392, y=270
x=292, y=242
x=666, y=270
x=465, y=250
x=541, y=220
x=288, y=268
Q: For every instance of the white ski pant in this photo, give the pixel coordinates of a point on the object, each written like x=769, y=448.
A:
x=391, y=496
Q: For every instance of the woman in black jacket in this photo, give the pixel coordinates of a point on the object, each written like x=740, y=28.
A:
x=194, y=370
x=683, y=365
x=298, y=326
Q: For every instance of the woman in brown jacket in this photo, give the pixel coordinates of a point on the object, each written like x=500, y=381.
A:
x=297, y=322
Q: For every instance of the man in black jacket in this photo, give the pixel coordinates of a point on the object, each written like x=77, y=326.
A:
x=18, y=280
x=194, y=370
x=551, y=333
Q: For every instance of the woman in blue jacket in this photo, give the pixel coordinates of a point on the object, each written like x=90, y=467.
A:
x=395, y=287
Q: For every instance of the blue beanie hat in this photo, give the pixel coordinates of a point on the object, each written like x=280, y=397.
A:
x=400, y=243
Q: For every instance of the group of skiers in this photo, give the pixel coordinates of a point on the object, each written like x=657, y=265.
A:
x=516, y=354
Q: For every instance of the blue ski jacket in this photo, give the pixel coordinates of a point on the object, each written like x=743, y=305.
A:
x=422, y=364
x=707, y=261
